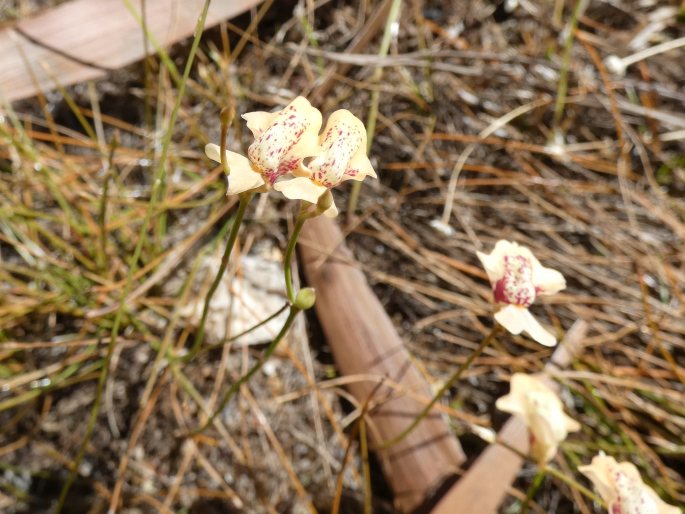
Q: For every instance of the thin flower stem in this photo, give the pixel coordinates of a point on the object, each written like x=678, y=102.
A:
x=236, y=385
x=457, y=375
x=290, y=250
x=555, y=473
x=364, y=449
x=562, y=87
x=393, y=16
x=232, y=237
x=532, y=490
x=101, y=258
x=248, y=330
x=573, y=484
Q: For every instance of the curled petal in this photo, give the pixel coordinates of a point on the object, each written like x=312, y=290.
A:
x=522, y=387
x=512, y=404
x=547, y=280
x=621, y=487
x=259, y=121
x=518, y=319
x=300, y=188
x=544, y=442
x=242, y=177
x=549, y=424
x=493, y=264
x=599, y=473
x=494, y=261
x=284, y=138
x=343, y=151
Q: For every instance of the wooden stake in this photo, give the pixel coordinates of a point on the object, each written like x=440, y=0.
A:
x=364, y=341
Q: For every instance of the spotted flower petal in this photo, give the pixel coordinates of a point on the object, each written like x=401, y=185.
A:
x=542, y=412
x=343, y=155
x=621, y=487
x=243, y=177
x=517, y=278
x=284, y=138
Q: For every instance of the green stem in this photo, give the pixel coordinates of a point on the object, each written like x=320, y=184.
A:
x=393, y=16
x=555, y=473
x=199, y=27
x=532, y=490
x=573, y=484
x=232, y=237
x=290, y=250
x=101, y=253
x=565, y=64
x=251, y=329
x=457, y=375
x=364, y=449
x=236, y=385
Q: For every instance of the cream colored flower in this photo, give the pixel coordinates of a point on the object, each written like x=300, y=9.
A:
x=621, y=487
x=542, y=412
x=282, y=140
x=517, y=278
x=343, y=157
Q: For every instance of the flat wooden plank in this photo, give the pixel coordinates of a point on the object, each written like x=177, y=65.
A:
x=83, y=39
x=364, y=341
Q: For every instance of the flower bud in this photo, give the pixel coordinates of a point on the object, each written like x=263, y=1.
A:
x=324, y=203
x=305, y=298
x=226, y=115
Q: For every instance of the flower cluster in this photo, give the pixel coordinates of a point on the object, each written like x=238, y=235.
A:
x=517, y=278
x=290, y=156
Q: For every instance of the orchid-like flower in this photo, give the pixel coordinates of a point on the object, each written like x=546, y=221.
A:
x=542, y=412
x=621, y=487
x=282, y=140
x=517, y=278
x=343, y=157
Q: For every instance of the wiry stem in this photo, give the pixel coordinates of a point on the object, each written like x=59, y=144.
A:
x=289, y=252
x=457, y=375
x=236, y=385
x=393, y=16
x=233, y=236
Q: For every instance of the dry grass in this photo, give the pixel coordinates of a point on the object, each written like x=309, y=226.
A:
x=603, y=204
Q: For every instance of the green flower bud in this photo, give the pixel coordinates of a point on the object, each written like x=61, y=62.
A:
x=324, y=202
x=305, y=298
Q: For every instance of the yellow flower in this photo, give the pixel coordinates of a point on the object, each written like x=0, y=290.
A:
x=282, y=140
x=621, y=487
x=342, y=157
x=542, y=412
x=517, y=278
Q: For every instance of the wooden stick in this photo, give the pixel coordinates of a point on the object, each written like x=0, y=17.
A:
x=83, y=39
x=364, y=341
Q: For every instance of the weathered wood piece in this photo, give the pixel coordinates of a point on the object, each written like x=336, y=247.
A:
x=364, y=341
x=484, y=486
x=83, y=39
